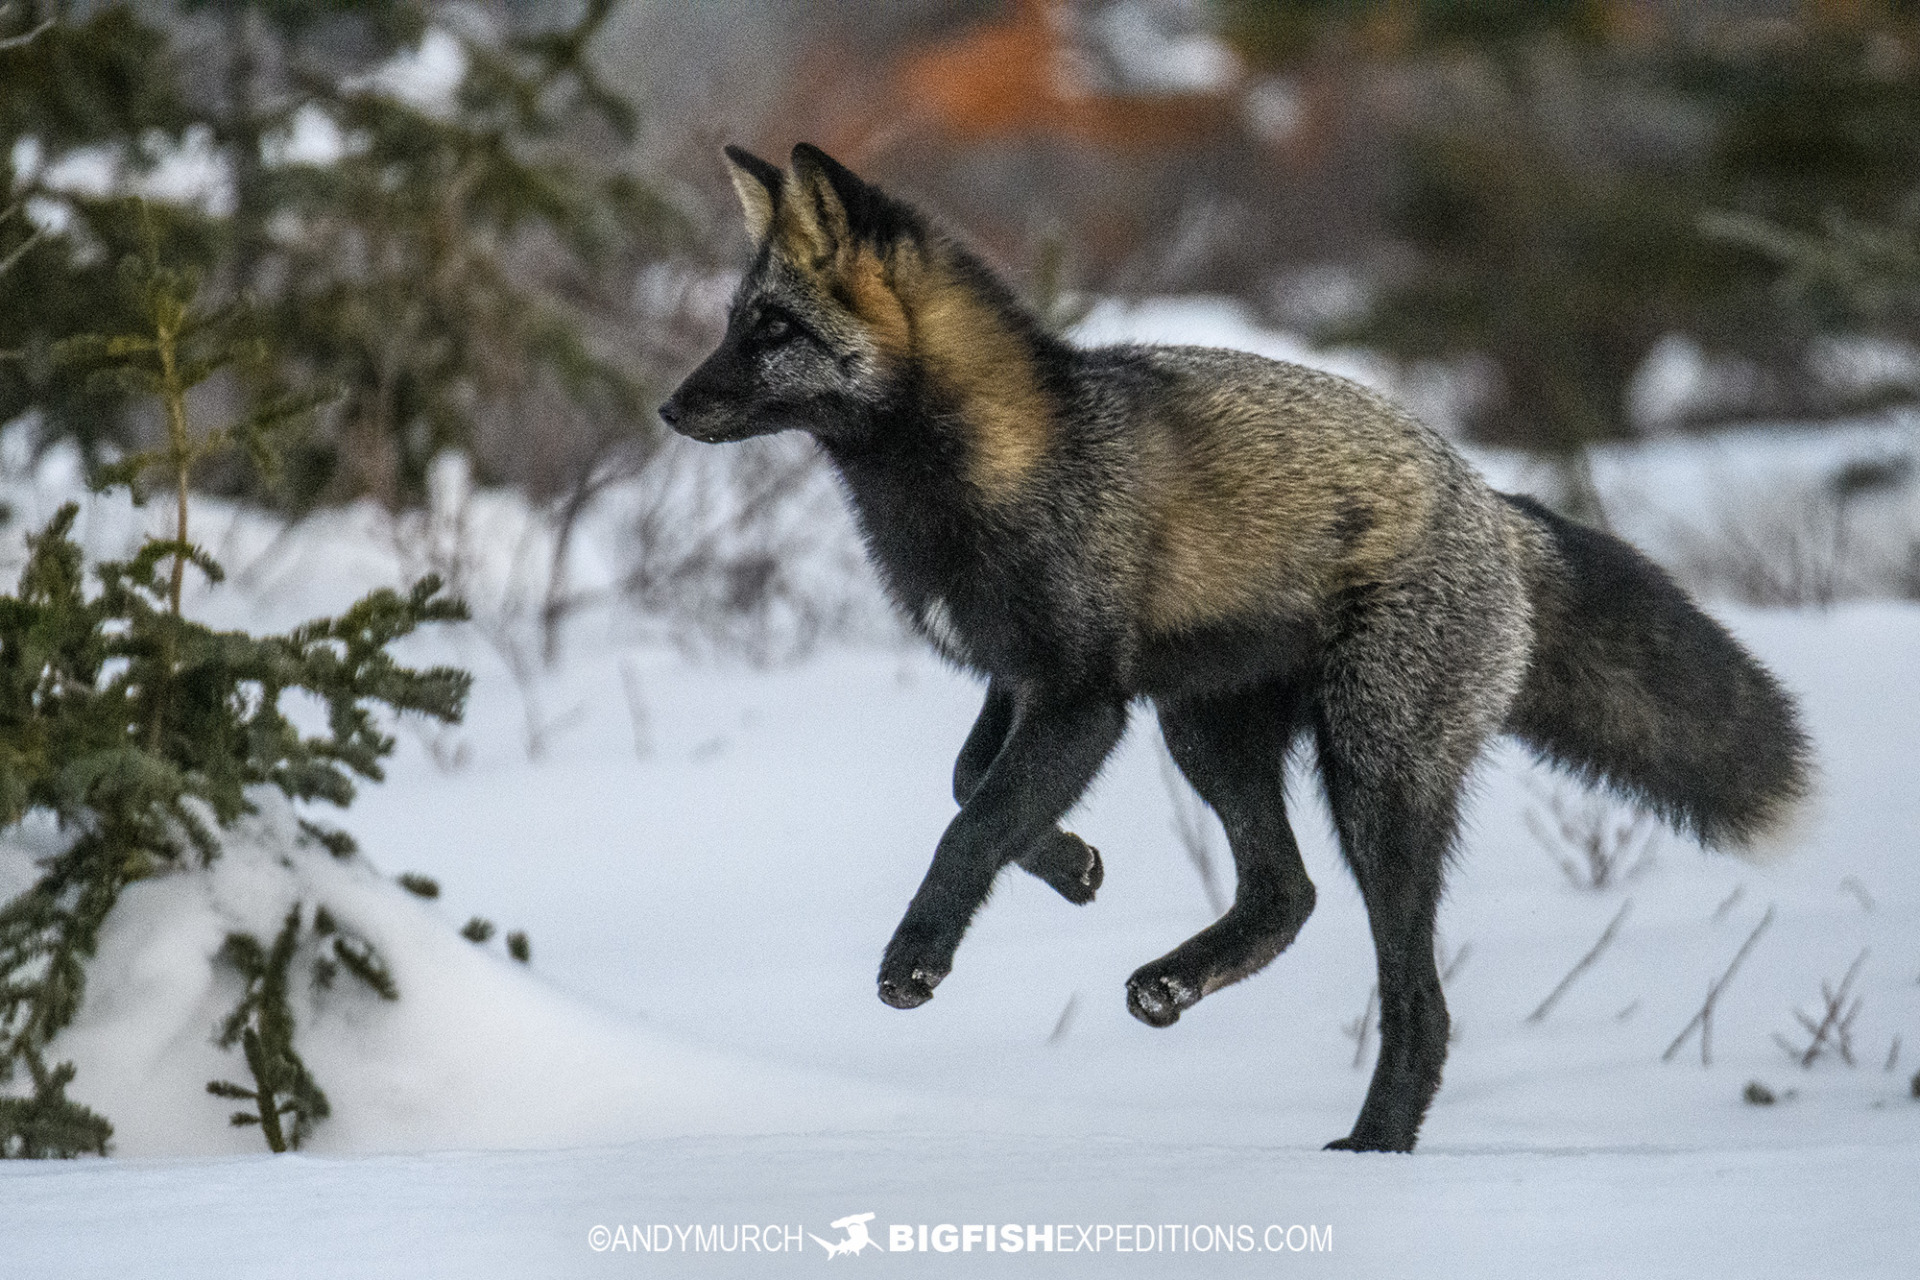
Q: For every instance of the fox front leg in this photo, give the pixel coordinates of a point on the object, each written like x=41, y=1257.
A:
x=1052, y=751
x=1060, y=858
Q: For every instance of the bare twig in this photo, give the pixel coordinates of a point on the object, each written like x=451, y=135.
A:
x=449, y=752
x=1719, y=987
x=1627, y=1012
x=1853, y=886
x=1583, y=964
x=1362, y=1027
x=1731, y=901
x=636, y=708
x=1065, y=1023
x=1190, y=827
x=1785, y=547
x=1893, y=1054
x=1843, y=1030
x=525, y=669
x=1597, y=842
x=516, y=616
x=712, y=550
x=1834, y=1029
x=1706, y=1033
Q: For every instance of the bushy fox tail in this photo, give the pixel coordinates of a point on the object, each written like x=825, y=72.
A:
x=1633, y=686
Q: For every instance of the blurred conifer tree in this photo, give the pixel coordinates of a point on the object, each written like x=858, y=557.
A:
x=1553, y=173
x=424, y=205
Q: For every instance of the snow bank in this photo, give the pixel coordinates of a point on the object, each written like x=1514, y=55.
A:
x=477, y=1052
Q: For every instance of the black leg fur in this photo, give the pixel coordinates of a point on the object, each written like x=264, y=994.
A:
x=1396, y=840
x=1060, y=858
x=1233, y=750
x=1052, y=752
x=984, y=740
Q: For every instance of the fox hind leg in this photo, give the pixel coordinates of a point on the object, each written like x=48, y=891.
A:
x=1407, y=702
x=1233, y=750
x=1422, y=673
x=1060, y=858
x=1396, y=841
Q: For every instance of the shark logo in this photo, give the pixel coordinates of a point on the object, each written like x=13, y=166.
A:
x=855, y=1225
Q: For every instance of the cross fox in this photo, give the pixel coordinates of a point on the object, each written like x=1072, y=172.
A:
x=1263, y=552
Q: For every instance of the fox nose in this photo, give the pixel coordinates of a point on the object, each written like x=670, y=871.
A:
x=670, y=412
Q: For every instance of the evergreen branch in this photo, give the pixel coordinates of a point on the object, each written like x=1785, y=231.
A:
x=334, y=841
x=49, y=1124
x=563, y=53
x=263, y=1024
x=358, y=957
x=268, y=1083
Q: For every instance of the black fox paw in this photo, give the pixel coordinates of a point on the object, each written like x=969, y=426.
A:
x=1352, y=1143
x=1070, y=865
x=908, y=976
x=909, y=992
x=1157, y=999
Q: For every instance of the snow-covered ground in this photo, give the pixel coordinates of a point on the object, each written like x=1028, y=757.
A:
x=708, y=858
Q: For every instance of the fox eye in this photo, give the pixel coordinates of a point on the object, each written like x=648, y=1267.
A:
x=774, y=327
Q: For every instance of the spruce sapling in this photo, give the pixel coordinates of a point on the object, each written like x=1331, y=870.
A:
x=140, y=730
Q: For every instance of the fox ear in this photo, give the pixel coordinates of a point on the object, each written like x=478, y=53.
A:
x=824, y=191
x=758, y=184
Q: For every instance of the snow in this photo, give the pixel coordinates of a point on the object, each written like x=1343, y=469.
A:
x=427, y=76
x=708, y=857
x=1219, y=322
x=479, y=1053
x=1574, y=1213
x=1153, y=46
x=310, y=137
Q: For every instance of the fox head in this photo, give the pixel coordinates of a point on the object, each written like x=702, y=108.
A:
x=858, y=321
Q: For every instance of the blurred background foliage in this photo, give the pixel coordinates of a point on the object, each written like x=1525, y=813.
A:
x=498, y=226
x=430, y=209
